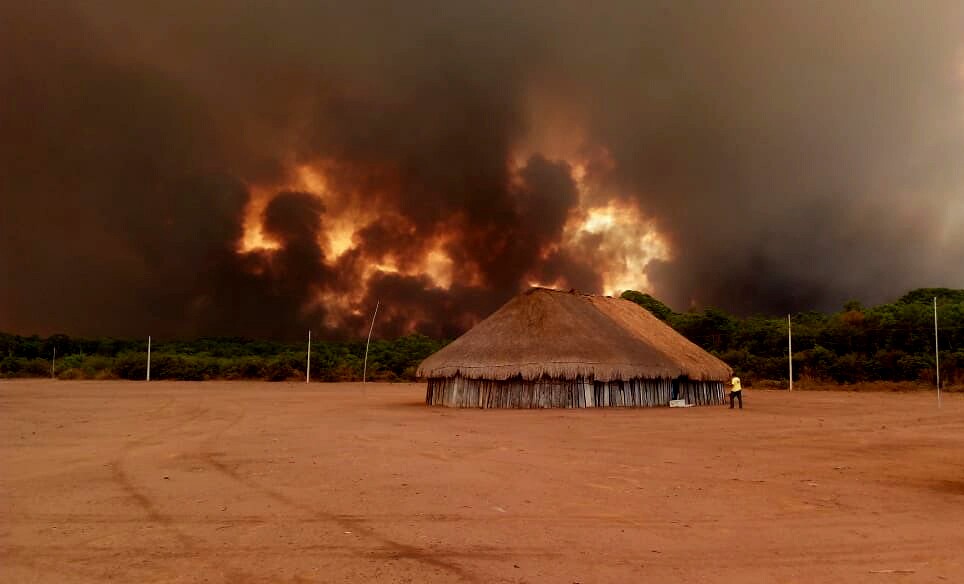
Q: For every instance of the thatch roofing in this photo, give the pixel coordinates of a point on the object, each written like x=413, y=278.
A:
x=566, y=335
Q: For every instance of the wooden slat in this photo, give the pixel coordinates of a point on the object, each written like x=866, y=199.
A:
x=563, y=393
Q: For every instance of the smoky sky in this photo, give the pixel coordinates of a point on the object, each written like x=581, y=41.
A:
x=792, y=155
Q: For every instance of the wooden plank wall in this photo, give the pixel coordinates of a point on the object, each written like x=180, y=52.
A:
x=459, y=392
x=701, y=393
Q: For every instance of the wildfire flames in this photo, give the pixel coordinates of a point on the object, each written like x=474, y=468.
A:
x=606, y=230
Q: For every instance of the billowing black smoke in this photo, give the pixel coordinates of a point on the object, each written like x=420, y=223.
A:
x=793, y=156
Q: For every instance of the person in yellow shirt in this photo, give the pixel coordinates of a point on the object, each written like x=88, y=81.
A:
x=736, y=392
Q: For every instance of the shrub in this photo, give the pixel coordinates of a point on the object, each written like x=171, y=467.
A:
x=131, y=365
x=278, y=370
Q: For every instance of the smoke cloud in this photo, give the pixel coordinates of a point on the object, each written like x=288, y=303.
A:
x=258, y=169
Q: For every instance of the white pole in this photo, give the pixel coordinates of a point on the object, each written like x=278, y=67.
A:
x=53, y=364
x=365, y=367
x=937, y=355
x=790, y=350
x=308, y=367
x=148, y=357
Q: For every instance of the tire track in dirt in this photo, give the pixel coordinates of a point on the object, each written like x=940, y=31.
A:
x=154, y=515
x=39, y=562
x=348, y=523
x=396, y=549
x=190, y=547
x=123, y=479
x=484, y=552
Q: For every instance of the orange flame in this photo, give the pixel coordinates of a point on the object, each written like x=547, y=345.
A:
x=606, y=229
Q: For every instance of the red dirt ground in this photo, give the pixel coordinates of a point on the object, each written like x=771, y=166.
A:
x=283, y=483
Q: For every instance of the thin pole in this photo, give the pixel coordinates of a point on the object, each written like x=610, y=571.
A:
x=790, y=350
x=937, y=355
x=365, y=367
x=148, y=357
x=308, y=367
x=53, y=364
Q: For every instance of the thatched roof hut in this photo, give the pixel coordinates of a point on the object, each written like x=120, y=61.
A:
x=547, y=348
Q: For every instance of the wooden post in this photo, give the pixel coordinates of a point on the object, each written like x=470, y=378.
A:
x=365, y=367
x=53, y=364
x=308, y=366
x=937, y=356
x=148, y=357
x=790, y=350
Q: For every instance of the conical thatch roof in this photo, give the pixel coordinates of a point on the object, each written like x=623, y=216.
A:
x=568, y=335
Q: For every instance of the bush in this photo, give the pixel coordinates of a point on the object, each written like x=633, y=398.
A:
x=849, y=368
x=9, y=367
x=909, y=367
x=184, y=368
x=278, y=370
x=131, y=365
x=32, y=368
x=243, y=368
x=71, y=374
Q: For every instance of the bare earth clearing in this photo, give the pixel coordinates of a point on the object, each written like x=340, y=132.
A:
x=283, y=483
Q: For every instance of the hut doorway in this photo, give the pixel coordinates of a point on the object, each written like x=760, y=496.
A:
x=675, y=394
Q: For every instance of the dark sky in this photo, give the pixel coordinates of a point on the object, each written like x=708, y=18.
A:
x=258, y=168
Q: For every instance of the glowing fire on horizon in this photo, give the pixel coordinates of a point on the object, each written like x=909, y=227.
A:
x=618, y=239
x=605, y=230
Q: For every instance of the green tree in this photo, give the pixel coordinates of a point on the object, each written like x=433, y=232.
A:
x=659, y=310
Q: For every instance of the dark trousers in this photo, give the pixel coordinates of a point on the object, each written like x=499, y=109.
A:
x=736, y=395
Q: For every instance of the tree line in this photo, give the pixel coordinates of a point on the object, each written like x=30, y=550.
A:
x=211, y=358
x=889, y=342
